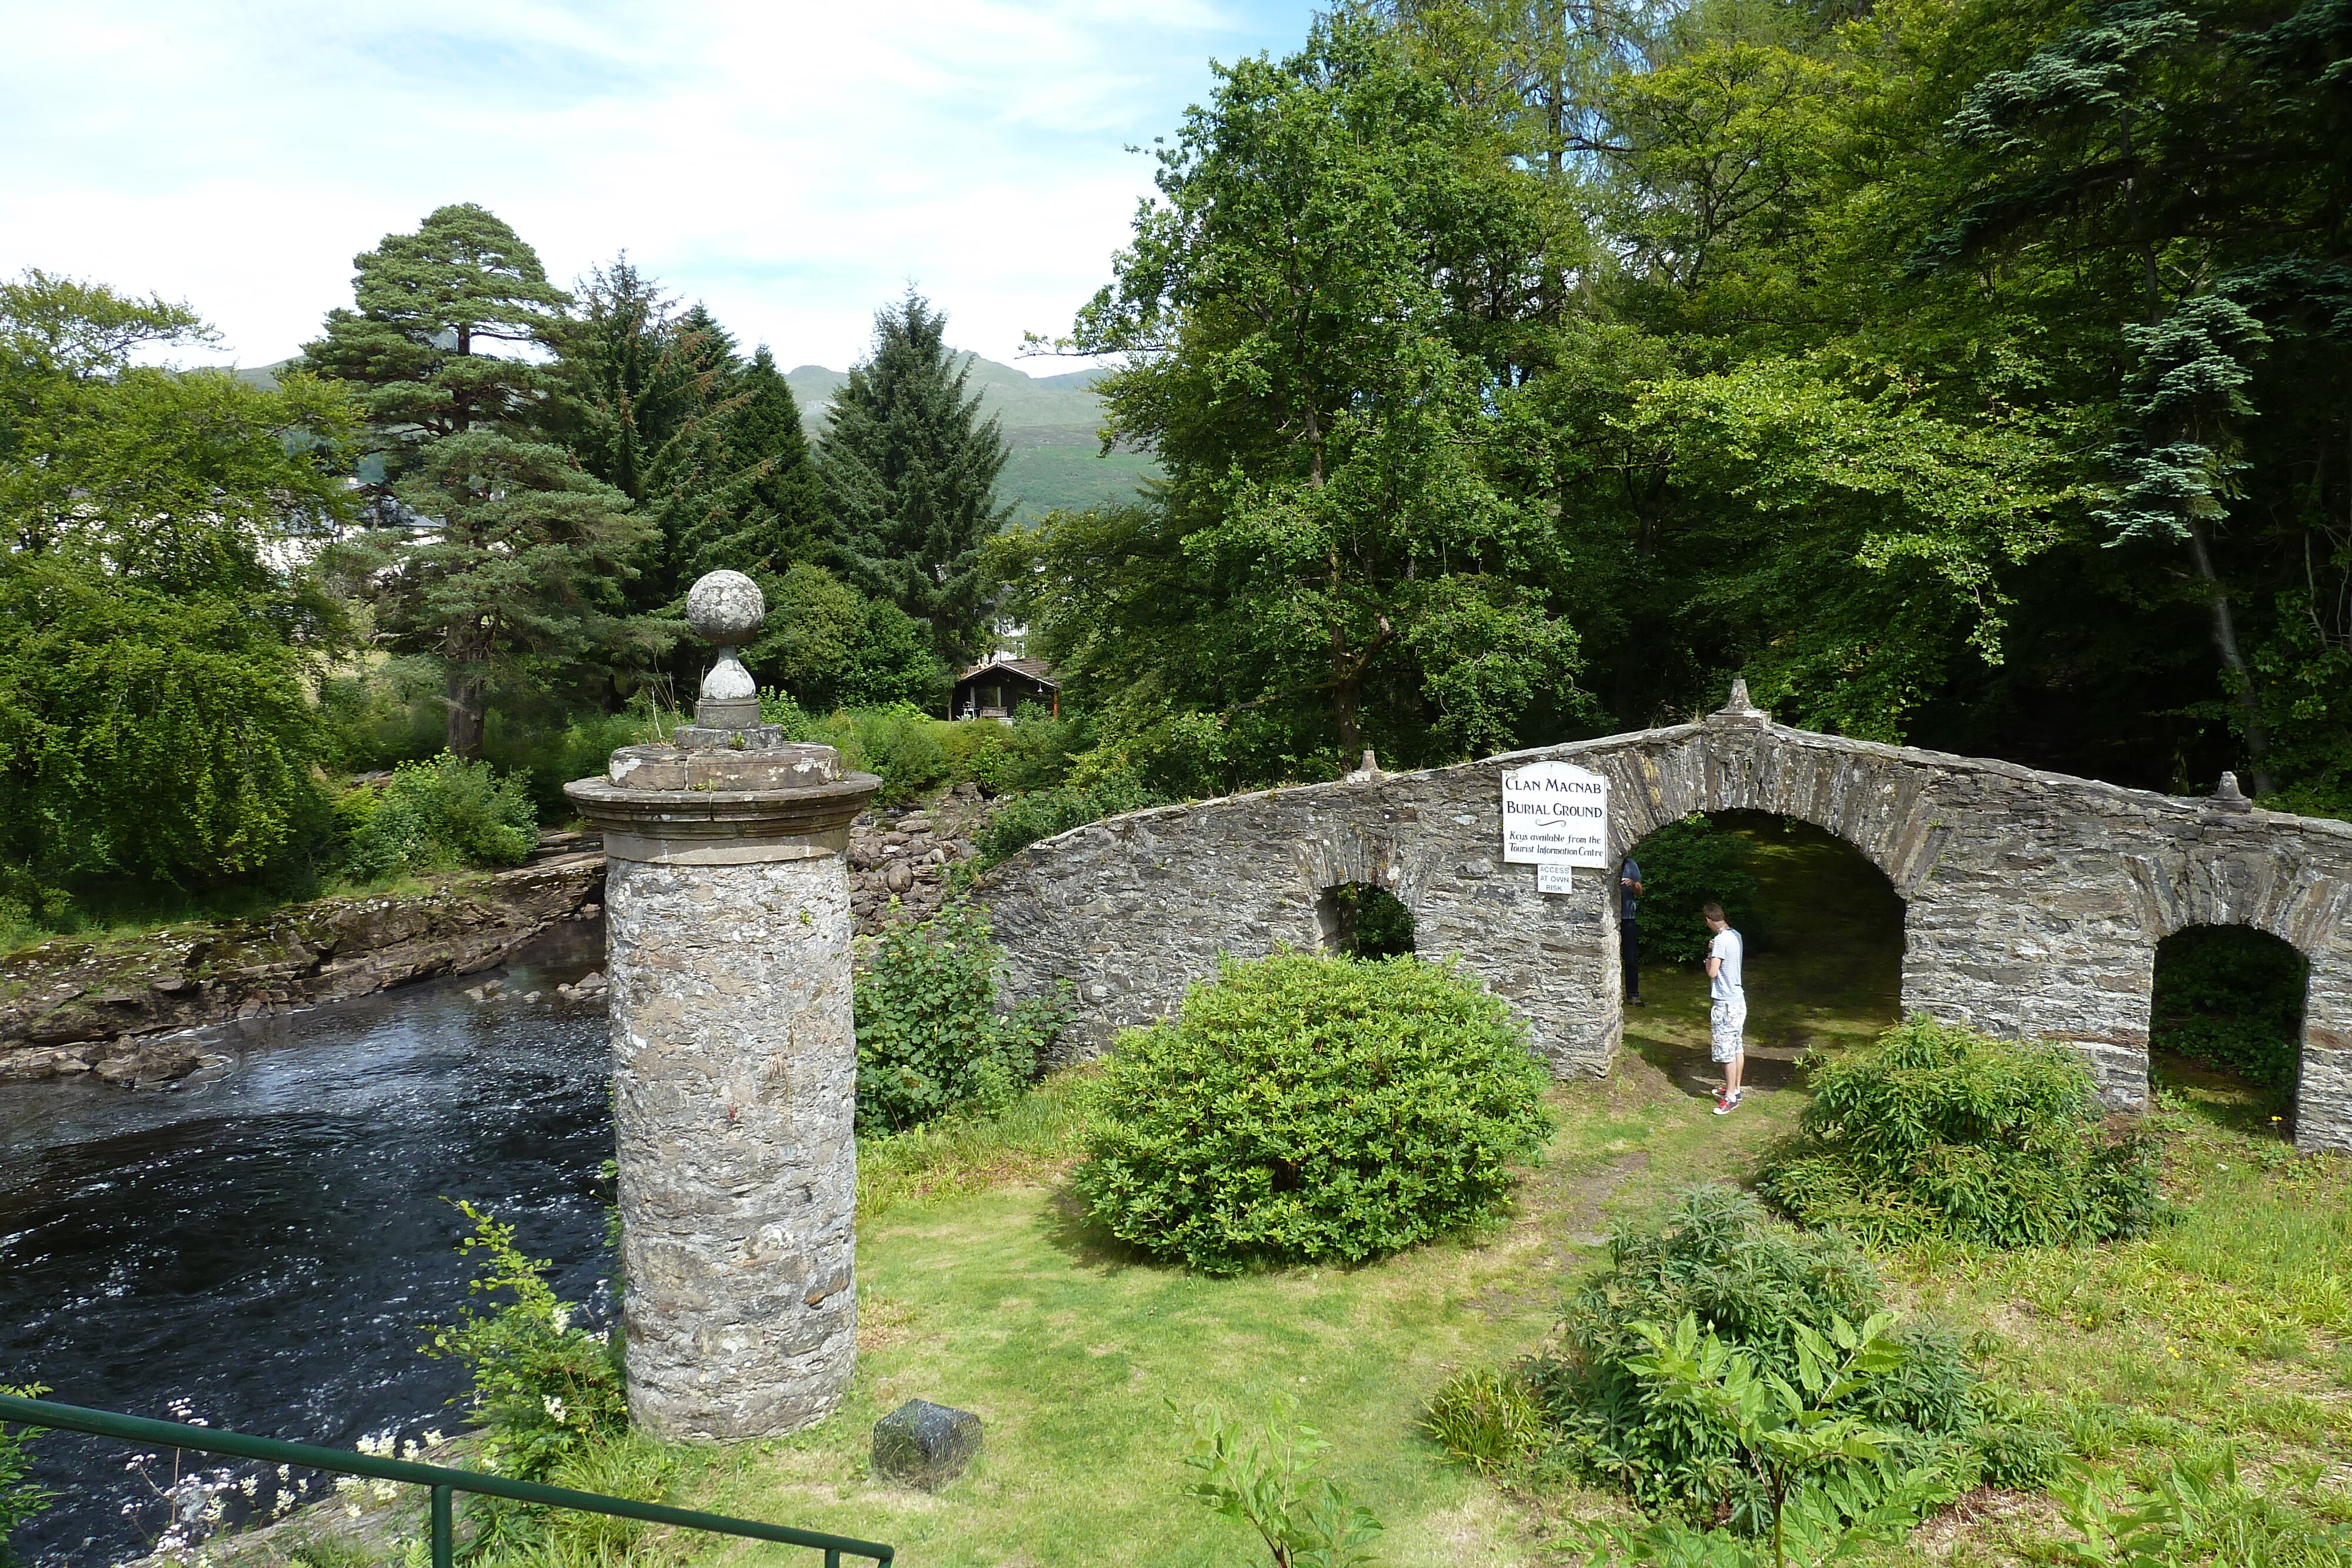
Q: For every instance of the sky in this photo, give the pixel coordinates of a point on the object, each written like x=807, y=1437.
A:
x=794, y=164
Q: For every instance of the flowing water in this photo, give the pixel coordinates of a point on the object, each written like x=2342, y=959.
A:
x=261, y=1249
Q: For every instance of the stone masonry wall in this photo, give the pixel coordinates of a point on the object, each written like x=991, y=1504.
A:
x=2034, y=901
x=735, y=1067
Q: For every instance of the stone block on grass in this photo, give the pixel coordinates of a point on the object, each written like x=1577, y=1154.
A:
x=925, y=1445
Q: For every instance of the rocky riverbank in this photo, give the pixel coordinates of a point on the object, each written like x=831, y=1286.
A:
x=121, y=1009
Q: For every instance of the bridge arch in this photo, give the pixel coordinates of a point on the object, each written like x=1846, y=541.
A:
x=2033, y=902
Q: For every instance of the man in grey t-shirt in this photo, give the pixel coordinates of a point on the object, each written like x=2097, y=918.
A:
x=1726, y=1010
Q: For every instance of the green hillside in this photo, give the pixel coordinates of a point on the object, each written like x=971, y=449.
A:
x=1047, y=478
x=1051, y=410
x=1050, y=421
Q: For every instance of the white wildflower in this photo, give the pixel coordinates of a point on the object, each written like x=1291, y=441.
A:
x=554, y=1408
x=562, y=1316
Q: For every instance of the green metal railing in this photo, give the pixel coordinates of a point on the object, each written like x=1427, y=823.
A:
x=445, y=1483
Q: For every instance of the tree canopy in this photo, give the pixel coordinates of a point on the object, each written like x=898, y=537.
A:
x=1969, y=375
x=156, y=634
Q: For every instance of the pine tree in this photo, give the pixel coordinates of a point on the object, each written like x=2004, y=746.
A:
x=767, y=513
x=428, y=306
x=909, y=470
x=523, y=576
x=626, y=386
x=524, y=579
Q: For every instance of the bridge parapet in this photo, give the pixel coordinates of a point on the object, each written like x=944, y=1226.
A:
x=2033, y=901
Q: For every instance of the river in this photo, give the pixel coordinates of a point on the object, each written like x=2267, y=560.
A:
x=263, y=1247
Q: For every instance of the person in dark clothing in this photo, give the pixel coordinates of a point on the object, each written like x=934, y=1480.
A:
x=1629, y=928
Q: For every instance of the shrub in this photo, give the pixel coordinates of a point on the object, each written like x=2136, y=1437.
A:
x=1033, y=752
x=777, y=707
x=545, y=1389
x=930, y=1039
x=832, y=647
x=902, y=744
x=1754, y=1286
x=1683, y=866
x=1939, y=1131
x=1024, y=820
x=1303, y=1109
x=20, y=1497
x=437, y=815
x=2233, y=997
x=143, y=735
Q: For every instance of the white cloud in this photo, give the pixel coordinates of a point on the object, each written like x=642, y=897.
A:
x=794, y=166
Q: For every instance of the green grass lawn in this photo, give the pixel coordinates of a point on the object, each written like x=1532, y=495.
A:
x=1006, y=1303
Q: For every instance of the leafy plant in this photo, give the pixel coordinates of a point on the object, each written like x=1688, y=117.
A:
x=1265, y=1478
x=1303, y=1108
x=1754, y=1285
x=438, y=815
x=930, y=1038
x=2197, y=1512
x=1490, y=1420
x=20, y=1498
x=1792, y=1433
x=1939, y=1131
x=1686, y=864
x=545, y=1387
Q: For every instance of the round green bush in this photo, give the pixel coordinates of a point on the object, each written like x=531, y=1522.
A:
x=1308, y=1108
x=1939, y=1131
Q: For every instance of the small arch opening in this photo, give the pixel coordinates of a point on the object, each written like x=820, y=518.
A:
x=1822, y=928
x=1364, y=921
x=2229, y=1000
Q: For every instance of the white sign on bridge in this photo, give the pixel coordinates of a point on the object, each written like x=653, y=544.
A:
x=1555, y=814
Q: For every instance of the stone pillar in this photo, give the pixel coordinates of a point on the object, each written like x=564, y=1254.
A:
x=734, y=1055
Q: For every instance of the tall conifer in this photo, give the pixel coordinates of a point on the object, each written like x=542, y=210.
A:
x=910, y=470
x=427, y=309
x=522, y=580
x=769, y=511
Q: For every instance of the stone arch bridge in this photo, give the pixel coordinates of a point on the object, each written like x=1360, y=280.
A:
x=2033, y=902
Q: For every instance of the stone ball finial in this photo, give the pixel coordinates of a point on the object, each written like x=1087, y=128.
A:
x=725, y=607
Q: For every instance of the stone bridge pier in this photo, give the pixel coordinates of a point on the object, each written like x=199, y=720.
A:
x=2033, y=902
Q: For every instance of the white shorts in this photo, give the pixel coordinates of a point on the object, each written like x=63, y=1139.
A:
x=1726, y=1017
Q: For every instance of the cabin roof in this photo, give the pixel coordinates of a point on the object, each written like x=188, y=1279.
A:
x=1036, y=670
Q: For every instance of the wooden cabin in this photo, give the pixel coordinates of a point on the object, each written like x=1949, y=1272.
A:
x=996, y=688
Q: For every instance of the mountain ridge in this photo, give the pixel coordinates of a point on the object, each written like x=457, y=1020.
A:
x=1053, y=424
